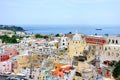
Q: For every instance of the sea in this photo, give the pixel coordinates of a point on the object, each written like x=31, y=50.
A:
x=84, y=29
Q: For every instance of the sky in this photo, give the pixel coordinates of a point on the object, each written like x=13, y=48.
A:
x=80, y=12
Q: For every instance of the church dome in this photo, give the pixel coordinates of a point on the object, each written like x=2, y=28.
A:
x=76, y=36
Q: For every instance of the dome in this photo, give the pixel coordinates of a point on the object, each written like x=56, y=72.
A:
x=76, y=36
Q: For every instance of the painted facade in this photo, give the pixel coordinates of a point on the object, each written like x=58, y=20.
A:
x=4, y=57
x=5, y=67
x=11, y=51
x=76, y=45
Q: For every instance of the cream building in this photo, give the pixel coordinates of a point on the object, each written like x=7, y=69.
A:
x=111, y=50
x=76, y=45
x=26, y=61
x=6, y=32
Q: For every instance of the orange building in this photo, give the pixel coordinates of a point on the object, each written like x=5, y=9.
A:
x=58, y=69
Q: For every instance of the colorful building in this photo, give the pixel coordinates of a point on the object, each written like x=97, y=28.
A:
x=76, y=45
x=5, y=67
x=95, y=40
x=63, y=42
x=11, y=51
x=28, y=60
x=4, y=57
x=58, y=69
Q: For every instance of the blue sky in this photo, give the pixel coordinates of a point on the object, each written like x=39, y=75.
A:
x=88, y=12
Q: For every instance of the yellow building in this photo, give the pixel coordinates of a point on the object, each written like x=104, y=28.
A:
x=24, y=61
x=76, y=45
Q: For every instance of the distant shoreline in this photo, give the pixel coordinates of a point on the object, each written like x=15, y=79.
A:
x=12, y=28
x=55, y=29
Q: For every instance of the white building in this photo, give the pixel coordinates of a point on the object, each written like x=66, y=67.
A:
x=20, y=33
x=111, y=50
x=63, y=42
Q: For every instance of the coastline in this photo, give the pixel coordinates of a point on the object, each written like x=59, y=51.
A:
x=45, y=29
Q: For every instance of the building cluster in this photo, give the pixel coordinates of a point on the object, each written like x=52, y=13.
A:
x=80, y=57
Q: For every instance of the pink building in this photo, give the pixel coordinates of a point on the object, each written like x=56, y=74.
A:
x=11, y=51
x=5, y=67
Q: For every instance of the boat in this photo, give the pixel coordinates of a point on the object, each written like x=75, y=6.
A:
x=98, y=29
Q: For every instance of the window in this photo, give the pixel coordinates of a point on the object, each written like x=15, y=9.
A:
x=105, y=49
x=55, y=67
x=68, y=43
x=112, y=54
x=109, y=40
x=10, y=53
x=117, y=54
x=76, y=52
x=116, y=41
x=114, y=48
x=100, y=48
x=113, y=41
x=108, y=53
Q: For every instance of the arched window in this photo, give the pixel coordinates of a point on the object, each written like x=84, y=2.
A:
x=109, y=40
x=116, y=41
x=108, y=53
x=112, y=54
x=113, y=41
x=105, y=49
x=114, y=48
x=117, y=54
x=100, y=48
x=76, y=52
x=76, y=42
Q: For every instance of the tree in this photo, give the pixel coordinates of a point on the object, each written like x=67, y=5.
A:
x=116, y=71
x=113, y=63
x=7, y=39
x=70, y=32
x=38, y=36
x=57, y=35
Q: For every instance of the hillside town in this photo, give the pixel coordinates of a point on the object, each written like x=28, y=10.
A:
x=70, y=56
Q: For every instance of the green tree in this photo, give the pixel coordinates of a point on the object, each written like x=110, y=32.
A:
x=70, y=32
x=7, y=39
x=113, y=63
x=38, y=36
x=57, y=35
x=116, y=71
